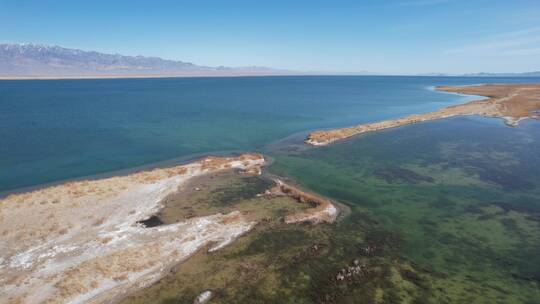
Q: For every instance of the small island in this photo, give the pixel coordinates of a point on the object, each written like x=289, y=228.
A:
x=511, y=102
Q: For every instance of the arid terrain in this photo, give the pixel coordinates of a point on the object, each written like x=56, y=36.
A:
x=82, y=241
x=96, y=241
x=511, y=102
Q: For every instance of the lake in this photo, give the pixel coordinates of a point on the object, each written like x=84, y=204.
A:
x=54, y=130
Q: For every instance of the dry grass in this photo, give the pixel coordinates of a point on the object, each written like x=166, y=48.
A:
x=322, y=209
x=511, y=102
x=65, y=241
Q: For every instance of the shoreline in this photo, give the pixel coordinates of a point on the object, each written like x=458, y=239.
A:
x=510, y=102
x=293, y=74
x=145, y=76
x=91, y=241
x=81, y=241
x=162, y=164
x=322, y=210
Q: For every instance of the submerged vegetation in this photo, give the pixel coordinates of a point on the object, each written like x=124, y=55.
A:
x=462, y=195
x=441, y=212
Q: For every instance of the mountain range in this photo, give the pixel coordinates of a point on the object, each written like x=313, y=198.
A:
x=30, y=60
x=485, y=74
x=525, y=74
x=46, y=61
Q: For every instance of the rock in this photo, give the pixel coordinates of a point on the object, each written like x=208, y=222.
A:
x=204, y=297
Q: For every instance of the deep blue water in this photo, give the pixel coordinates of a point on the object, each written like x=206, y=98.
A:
x=53, y=130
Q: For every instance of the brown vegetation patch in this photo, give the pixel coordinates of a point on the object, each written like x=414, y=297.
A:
x=80, y=241
x=322, y=209
x=510, y=102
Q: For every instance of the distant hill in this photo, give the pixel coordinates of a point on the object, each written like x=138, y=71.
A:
x=482, y=74
x=525, y=74
x=42, y=61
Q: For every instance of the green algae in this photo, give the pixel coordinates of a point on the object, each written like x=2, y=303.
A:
x=223, y=192
x=473, y=226
x=453, y=218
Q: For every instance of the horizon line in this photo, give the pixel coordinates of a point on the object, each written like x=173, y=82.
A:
x=277, y=71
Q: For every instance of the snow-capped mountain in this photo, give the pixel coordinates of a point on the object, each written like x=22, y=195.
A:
x=36, y=60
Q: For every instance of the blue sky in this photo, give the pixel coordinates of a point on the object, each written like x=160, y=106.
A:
x=389, y=37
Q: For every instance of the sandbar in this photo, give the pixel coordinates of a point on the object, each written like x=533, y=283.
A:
x=511, y=102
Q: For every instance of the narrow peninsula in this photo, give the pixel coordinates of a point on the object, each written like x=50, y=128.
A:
x=511, y=102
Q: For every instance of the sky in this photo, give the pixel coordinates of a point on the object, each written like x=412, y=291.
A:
x=382, y=37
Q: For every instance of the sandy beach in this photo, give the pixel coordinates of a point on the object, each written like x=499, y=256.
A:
x=511, y=102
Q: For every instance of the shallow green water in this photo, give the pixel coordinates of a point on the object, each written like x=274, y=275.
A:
x=458, y=199
x=441, y=212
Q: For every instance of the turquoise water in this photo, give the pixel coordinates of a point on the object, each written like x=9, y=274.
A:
x=444, y=211
x=59, y=129
x=439, y=212
x=455, y=201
